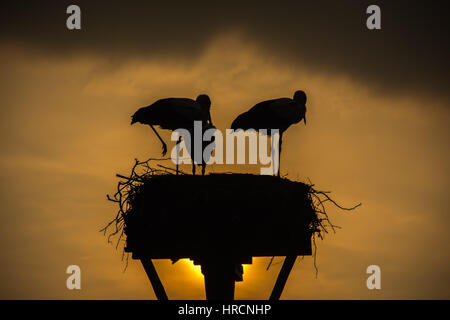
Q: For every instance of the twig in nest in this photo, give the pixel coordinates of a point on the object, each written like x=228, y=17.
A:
x=270, y=263
x=321, y=221
x=171, y=169
x=140, y=171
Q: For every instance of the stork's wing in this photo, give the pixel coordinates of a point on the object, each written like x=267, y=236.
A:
x=173, y=113
x=187, y=110
x=264, y=115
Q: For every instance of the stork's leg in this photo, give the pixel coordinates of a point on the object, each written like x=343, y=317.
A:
x=272, y=154
x=203, y=163
x=164, y=146
x=279, y=153
x=178, y=151
x=203, y=168
x=192, y=153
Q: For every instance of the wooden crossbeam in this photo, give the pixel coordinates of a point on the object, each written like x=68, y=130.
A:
x=282, y=277
x=152, y=275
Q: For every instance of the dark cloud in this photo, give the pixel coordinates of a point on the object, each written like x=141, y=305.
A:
x=409, y=54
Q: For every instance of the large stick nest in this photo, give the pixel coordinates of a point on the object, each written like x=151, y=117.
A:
x=164, y=215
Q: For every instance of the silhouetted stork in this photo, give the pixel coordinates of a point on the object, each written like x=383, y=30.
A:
x=274, y=114
x=175, y=113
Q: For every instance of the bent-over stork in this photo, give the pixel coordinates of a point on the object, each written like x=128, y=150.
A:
x=274, y=114
x=175, y=113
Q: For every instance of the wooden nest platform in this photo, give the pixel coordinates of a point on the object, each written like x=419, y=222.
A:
x=234, y=215
x=219, y=221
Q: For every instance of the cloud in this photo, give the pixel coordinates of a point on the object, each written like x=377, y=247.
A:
x=409, y=55
x=64, y=137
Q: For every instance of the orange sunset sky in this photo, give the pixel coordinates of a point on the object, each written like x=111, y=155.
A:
x=377, y=133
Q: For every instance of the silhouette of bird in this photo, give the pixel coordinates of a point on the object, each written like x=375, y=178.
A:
x=274, y=114
x=190, y=147
x=175, y=113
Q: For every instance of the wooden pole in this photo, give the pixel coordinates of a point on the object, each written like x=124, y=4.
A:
x=282, y=277
x=219, y=279
x=152, y=275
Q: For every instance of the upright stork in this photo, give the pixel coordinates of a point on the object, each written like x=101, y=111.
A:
x=274, y=114
x=175, y=113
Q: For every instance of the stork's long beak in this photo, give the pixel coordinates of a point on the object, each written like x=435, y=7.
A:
x=304, y=119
